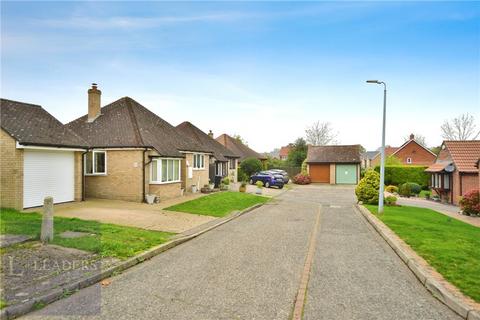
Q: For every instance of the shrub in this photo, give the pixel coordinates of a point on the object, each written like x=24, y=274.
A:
x=251, y=165
x=243, y=184
x=391, y=189
x=242, y=176
x=391, y=201
x=427, y=194
x=398, y=175
x=367, y=189
x=415, y=187
x=226, y=181
x=405, y=190
x=302, y=179
x=304, y=168
x=470, y=203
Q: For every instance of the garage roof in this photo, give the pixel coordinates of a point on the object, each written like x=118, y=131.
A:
x=334, y=154
x=30, y=124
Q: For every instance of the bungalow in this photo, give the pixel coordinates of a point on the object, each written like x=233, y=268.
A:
x=334, y=164
x=39, y=157
x=367, y=158
x=239, y=148
x=284, y=151
x=409, y=153
x=455, y=171
x=133, y=152
x=223, y=162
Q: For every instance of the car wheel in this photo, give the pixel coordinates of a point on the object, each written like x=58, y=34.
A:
x=267, y=184
x=251, y=181
x=280, y=186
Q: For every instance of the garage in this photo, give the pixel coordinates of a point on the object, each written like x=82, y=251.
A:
x=48, y=173
x=320, y=172
x=346, y=173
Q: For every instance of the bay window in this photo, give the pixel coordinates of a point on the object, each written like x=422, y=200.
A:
x=95, y=163
x=198, y=161
x=165, y=170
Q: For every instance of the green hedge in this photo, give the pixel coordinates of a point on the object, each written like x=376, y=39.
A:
x=397, y=175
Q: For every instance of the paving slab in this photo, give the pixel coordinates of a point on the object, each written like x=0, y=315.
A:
x=7, y=240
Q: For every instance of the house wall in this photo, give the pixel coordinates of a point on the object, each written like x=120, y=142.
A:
x=78, y=179
x=332, y=173
x=165, y=191
x=417, y=153
x=11, y=173
x=199, y=177
x=123, y=180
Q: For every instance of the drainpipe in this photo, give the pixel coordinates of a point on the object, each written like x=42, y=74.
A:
x=83, y=174
x=143, y=172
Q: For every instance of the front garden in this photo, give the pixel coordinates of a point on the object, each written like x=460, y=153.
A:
x=219, y=204
x=451, y=246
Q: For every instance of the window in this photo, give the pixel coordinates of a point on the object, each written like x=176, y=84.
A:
x=446, y=181
x=232, y=163
x=95, y=163
x=198, y=161
x=165, y=170
x=409, y=160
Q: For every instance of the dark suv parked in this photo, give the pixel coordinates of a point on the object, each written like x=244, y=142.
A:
x=268, y=179
x=283, y=173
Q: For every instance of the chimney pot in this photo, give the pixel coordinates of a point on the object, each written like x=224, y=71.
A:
x=412, y=137
x=210, y=134
x=93, y=102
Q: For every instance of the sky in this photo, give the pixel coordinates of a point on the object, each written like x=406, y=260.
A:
x=263, y=70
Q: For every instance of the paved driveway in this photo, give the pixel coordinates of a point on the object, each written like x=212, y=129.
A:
x=250, y=268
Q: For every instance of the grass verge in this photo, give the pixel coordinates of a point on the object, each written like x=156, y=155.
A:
x=108, y=240
x=451, y=246
x=219, y=204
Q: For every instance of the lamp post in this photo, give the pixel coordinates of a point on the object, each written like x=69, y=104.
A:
x=382, y=151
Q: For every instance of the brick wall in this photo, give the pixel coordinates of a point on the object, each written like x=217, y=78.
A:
x=417, y=153
x=11, y=173
x=123, y=180
x=78, y=176
x=201, y=176
x=165, y=191
x=332, y=173
x=469, y=182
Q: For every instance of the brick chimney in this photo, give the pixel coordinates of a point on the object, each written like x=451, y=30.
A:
x=412, y=137
x=93, y=102
x=210, y=134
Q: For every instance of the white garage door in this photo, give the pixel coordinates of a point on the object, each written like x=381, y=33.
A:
x=48, y=173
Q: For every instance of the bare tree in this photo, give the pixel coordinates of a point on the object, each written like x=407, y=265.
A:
x=321, y=133
x=419, y=138
x=461, y=128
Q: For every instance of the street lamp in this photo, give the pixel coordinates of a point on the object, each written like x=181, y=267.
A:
x=382, y=151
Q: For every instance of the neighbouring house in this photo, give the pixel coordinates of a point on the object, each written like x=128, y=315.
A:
x=133, y=152
x=334, y=164
x=239, y=148
x=284, y=151
x=223, y=162
x=39, y=157
x=367, y=158
x=410, y=153
x=455, y=171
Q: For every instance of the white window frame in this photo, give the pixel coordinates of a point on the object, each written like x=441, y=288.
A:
x=409, y=160
x=158, y=163
x=195, y=156
x=94, y=173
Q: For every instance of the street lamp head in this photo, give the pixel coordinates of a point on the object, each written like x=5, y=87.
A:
x=373, y=81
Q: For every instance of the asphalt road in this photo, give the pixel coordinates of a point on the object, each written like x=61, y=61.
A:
x=250, y=268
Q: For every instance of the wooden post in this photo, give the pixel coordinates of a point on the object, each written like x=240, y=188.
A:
x=47, y=221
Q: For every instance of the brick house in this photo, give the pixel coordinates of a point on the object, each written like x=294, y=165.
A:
x=39, y=157
x=133, y=152
x=410, y=153
x=284, y=151
x=455, y=171
x=239, y=148
x=223, y=162
x=334, y=164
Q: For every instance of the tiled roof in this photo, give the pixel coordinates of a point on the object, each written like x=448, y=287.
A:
x=239, y=148
x=126, y=123
x=333, y=154
x=438, y=166
x=30, y=124
x=465, y=154
x=284, y=151
x=388, y=151
x=370, y=154
x=219, y=151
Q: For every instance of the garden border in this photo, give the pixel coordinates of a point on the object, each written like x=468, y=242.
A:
x=430, y=279
x=14, y=311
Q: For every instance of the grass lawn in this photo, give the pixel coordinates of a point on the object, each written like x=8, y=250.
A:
x=219, y=204
x=109, y=240
x=451, y=246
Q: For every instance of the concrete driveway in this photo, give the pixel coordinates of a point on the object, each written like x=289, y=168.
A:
x=133, y=214
x=250, y=268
